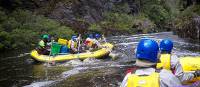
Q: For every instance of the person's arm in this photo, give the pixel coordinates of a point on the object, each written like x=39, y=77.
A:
x=167, y=79
x=174, y=61
x=178, y=70
x=97, y=43
x=181, y=75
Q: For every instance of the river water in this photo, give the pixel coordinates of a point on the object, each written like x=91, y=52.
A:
x=18, y=69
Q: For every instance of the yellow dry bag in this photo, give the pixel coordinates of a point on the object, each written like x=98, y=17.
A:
x=143, y=81
x=62, y=41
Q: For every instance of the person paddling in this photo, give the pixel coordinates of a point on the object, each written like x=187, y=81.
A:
x=171, y=62
x=97, y=40
x=43, y=47
x=145, y=73
x=72, y=44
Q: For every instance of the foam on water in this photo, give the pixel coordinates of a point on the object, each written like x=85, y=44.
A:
x=73, y=72
x=40, y=84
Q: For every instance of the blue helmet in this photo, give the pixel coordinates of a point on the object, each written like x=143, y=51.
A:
x=97, y=36
x=166, y=45
x=147, y=49
x=91, y=36
x=45, y=36
x=74, y=37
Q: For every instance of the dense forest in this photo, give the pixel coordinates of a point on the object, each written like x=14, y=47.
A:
x=23, y=21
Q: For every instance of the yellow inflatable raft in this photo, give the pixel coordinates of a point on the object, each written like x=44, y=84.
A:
x=107, y=47
x=190, y=64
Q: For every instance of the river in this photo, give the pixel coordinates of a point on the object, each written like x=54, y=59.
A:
x=17, y=68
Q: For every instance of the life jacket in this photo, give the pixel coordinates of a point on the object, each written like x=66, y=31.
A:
x=190, y=64
x=70, y=43
x=143, y=81
x=165, y=62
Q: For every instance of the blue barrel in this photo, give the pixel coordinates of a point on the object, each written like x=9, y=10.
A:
x=64, y=49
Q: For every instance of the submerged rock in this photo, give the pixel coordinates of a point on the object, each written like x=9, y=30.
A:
x=91, y=60
x=74, y=62
x=73, y=72
x=114, y=55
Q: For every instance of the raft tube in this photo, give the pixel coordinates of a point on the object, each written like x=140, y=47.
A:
x=105, y=50
x=189, y=65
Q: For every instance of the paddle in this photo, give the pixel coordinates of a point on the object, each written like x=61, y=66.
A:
x=46, y=71
x=52, y=62
x=105, y=41
x=79, y=41
x=104, y=38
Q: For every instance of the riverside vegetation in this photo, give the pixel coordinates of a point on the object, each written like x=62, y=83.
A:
x=23, y=21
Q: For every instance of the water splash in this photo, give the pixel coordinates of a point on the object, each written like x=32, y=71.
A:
x=40, y=84
x=74, y=71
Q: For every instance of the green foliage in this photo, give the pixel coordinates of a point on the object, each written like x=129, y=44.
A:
x=22, y=28
x=173, y=7
x=191, y=11
x=161, y=12
x=3, y=16
x=158, y=14
x=118, y=21
x=114, y=21
x=63, y=32
x=121, y=8
x=22, y=37
x=156, y=11
x=123, y=23
x=95, y=27
x=5, y=39
x=186, y=16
